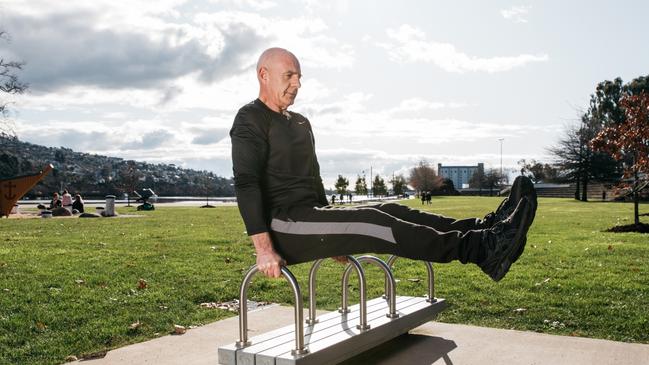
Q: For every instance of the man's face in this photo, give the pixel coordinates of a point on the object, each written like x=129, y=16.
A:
x=283, y=80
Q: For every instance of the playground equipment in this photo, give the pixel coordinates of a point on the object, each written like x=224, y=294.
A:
x=11, y=190
x=335, y=336
x=142, y=196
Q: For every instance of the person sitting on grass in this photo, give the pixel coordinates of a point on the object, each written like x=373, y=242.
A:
x=78, y=204
x=55, y=202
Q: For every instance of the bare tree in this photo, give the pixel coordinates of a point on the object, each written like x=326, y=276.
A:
x=424, y=178
x=9, y=84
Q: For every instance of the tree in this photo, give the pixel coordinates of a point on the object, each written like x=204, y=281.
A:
x=604, y=110
x=9, y=166
x=538, y=171
x=478, y=180
x=577, y=162
x=493, y=179
x=129, y=176
x=447, y=188
x=59, y=156
x=424, y=178
x=361, y=185
x=9, y=84
x=341, y=185
x=378, y=186
x=399, y=185
x=629, y=137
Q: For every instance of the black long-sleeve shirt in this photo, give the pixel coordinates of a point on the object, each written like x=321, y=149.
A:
x=274, y=164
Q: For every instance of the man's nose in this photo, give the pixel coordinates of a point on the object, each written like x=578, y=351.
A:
x=296, y=82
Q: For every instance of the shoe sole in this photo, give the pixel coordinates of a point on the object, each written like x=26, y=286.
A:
x=521, y=188
x=520, y=239
x=534, y=205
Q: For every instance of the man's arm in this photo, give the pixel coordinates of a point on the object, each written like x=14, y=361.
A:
x=249, y=148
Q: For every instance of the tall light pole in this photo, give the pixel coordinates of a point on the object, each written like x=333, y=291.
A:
x=501, y=157
x=371, y=186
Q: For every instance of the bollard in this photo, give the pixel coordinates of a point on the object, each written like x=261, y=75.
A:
x=389, y=279
x=431, y=279
x=343, y=309
x=109, y=211
x=299, y=349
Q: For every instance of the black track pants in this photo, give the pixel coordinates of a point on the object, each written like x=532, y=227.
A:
x=302, y=234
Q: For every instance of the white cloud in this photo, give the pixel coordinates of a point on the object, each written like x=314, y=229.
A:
x=304, y=36
x=421, y=105
x=408, y=44
x=517, y=14
x=252, y=4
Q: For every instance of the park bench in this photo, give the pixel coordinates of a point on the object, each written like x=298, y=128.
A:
x=336, y=336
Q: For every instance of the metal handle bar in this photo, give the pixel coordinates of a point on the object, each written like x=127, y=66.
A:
x=389, y=281
x=243, y=310
x=431, y=279
x=361, y=283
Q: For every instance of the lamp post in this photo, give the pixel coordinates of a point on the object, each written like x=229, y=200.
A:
x=370, y=189
x=501, y=157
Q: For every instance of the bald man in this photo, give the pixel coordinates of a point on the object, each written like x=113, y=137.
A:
x=284, y=208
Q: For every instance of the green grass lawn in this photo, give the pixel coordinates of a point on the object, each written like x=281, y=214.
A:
x=70, y=286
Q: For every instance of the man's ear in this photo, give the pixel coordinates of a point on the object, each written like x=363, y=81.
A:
x=262, y=74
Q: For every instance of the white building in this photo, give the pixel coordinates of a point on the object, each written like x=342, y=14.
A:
x=460, y=175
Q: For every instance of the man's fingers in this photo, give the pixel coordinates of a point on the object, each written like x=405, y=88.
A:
x=271, y=269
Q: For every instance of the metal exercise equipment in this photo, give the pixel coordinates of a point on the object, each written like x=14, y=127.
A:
x=335, y=336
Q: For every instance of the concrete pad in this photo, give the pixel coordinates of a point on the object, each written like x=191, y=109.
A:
x=433, y=343
x=199, y=345
x=444, y=344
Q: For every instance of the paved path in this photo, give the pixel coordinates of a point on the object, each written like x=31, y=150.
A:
x=433, y=343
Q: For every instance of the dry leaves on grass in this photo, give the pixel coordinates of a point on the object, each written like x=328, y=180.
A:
x=232, y=305
x=542, y=282
x=135, y=326
x=142, y=284
x=179, y=330
x=553, y=324
x=95, y=355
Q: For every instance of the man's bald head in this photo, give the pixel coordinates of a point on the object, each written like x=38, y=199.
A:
x=278, y=73
x=271, y=55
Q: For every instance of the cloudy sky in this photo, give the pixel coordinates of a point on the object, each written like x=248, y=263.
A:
x=385, y=83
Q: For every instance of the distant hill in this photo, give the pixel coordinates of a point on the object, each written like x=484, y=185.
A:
x=96, y=176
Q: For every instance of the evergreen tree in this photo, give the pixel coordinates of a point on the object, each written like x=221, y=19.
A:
x=361, y=185
x=341, y=185
x=399, y=185
x=378, y=186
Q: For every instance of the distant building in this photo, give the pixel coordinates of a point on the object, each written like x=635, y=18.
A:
x=460, y=175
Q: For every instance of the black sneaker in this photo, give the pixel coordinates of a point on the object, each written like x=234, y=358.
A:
x=505, y=240
x=521, y=187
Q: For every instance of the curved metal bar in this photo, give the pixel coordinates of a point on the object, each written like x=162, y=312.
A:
x=243, y=310
x=361, y=288
x=431, y=278
x=312, y=275
x=389, y=282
